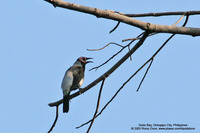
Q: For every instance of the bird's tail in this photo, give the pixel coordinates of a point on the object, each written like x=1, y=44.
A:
x=65, y=103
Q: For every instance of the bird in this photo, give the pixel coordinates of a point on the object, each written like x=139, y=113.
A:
x=73, y=79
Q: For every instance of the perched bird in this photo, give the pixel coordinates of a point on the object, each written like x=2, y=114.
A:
x=73, y=79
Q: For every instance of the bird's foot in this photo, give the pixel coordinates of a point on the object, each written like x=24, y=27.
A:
x=80, y=89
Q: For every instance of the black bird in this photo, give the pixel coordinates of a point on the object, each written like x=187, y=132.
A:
x=73, y=79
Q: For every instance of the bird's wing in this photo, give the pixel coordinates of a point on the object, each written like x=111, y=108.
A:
x=78, y=75
x=67, y=82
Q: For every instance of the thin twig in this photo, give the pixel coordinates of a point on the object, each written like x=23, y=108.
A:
x=130, y=39
x=54, y=123
x=186, y=20
x=107, y=60
x=137, y=38
x=115, y=12
x=132, y=42
x=115, y=27
x=97, y=107
x=157, y=14
x=145, y=74
x=105, y=46
x=179, y=20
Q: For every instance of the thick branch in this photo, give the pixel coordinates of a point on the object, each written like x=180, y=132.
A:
x=128, y=20
x=106, y=74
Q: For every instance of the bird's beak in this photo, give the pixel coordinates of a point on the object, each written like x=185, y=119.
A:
x=89, y=61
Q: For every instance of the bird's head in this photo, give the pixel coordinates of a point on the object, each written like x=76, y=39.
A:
x=84, y=60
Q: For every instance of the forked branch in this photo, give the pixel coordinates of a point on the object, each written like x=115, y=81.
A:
x=97, y=107
x=149, y=60
x=125, y=19
x=106, y=74
x=123, y=47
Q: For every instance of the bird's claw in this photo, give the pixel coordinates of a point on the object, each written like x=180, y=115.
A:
x=80, y=89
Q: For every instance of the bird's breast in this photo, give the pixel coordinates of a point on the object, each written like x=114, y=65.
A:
x=81, y=82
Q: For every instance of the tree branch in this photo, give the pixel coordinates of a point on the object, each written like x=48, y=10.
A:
x=106, y=74
x=107, y=60
x=115, y=27
x=129, y=39
x=145, y=74
x=54, y=123
x=164, y=14
x=123, y=47
x=97, y=107
x=105, y=46
x=125, y=19
x=154, y=55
